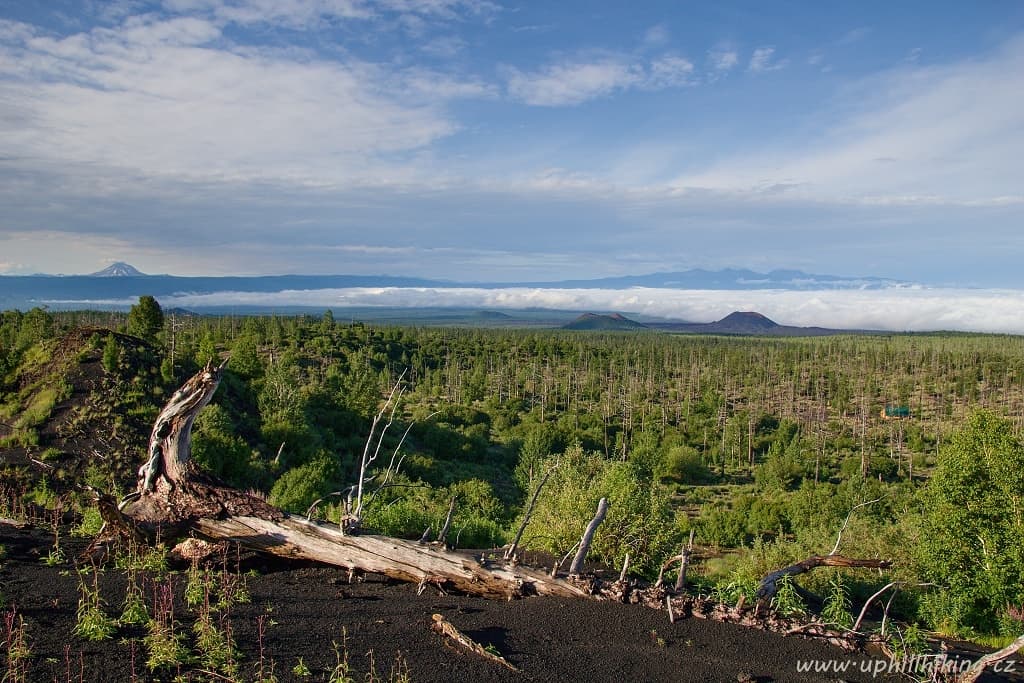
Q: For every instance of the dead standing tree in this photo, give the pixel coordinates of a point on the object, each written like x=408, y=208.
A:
x=175, y=500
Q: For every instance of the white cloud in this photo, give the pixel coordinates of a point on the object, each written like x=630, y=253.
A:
x=574, y=82
x=854, y=35
x=311, y=13
x=444, y=46
x=723, y=59
x=762, y=60
x=656, y=36
x=432, y=86
x=669, y=72
x=913, y=135
x=899, y=309
x=570, y=84
x=156, y=97
x=13, y=268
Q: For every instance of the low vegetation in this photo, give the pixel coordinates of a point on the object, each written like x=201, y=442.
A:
x=761, y=446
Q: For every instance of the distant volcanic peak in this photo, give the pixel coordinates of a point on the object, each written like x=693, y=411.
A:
x=118, y=269
x=597, y=321
x=749, y=319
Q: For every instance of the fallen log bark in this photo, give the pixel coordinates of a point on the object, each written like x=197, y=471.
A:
x=175, y=500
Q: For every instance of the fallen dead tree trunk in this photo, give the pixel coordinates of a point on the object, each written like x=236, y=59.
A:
x=175, y=500
x=296, y=538
x=769, y=585
x=978, y=668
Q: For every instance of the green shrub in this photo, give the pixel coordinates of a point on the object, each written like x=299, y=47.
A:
x=640, y=520
x=720, y=526
x=972, y=541
x=297, y=488
x=683, y=464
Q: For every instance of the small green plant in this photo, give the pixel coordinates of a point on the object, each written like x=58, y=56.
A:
x=342, y=672
x=39, y=408
x=54, y=557
x=300, y=669
x=214, y=639
x=786, y=600
x=197, y=586
x=90, y=524
x=135, y=556
x=837, y=604
x=399, y=672
x=13, y=503
x=907, y=642
x=231, y=590
x=134, y=610
x=16, y=647
x=92, y=623
x=216, y=645
x=264, y=666
x=656, y=639
x=50, y=454
x=164, y=645
x=729, y=592
x=20, y=437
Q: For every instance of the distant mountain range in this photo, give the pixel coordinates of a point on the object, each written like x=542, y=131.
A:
x=120, y=285
x=121, y=280
x=729, y=278
x=747, y=323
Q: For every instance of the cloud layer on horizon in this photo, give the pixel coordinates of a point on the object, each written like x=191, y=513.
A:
x=893, y=309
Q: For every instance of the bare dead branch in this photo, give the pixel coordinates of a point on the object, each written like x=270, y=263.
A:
x=312, y=508
x=558, y=565
x=445, y=628
x=576, y=568
x=442, y=537
x=885, y=612
x=892, y=584
x=684, y=562
x=867, y=603
x=174, y=501
x=371, y=451
x=46, y=466
x=526, y=516
x=846, y=522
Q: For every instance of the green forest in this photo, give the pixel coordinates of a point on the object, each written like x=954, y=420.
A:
x=766, y=448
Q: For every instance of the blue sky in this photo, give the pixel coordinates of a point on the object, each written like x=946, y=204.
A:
x=493, y=141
